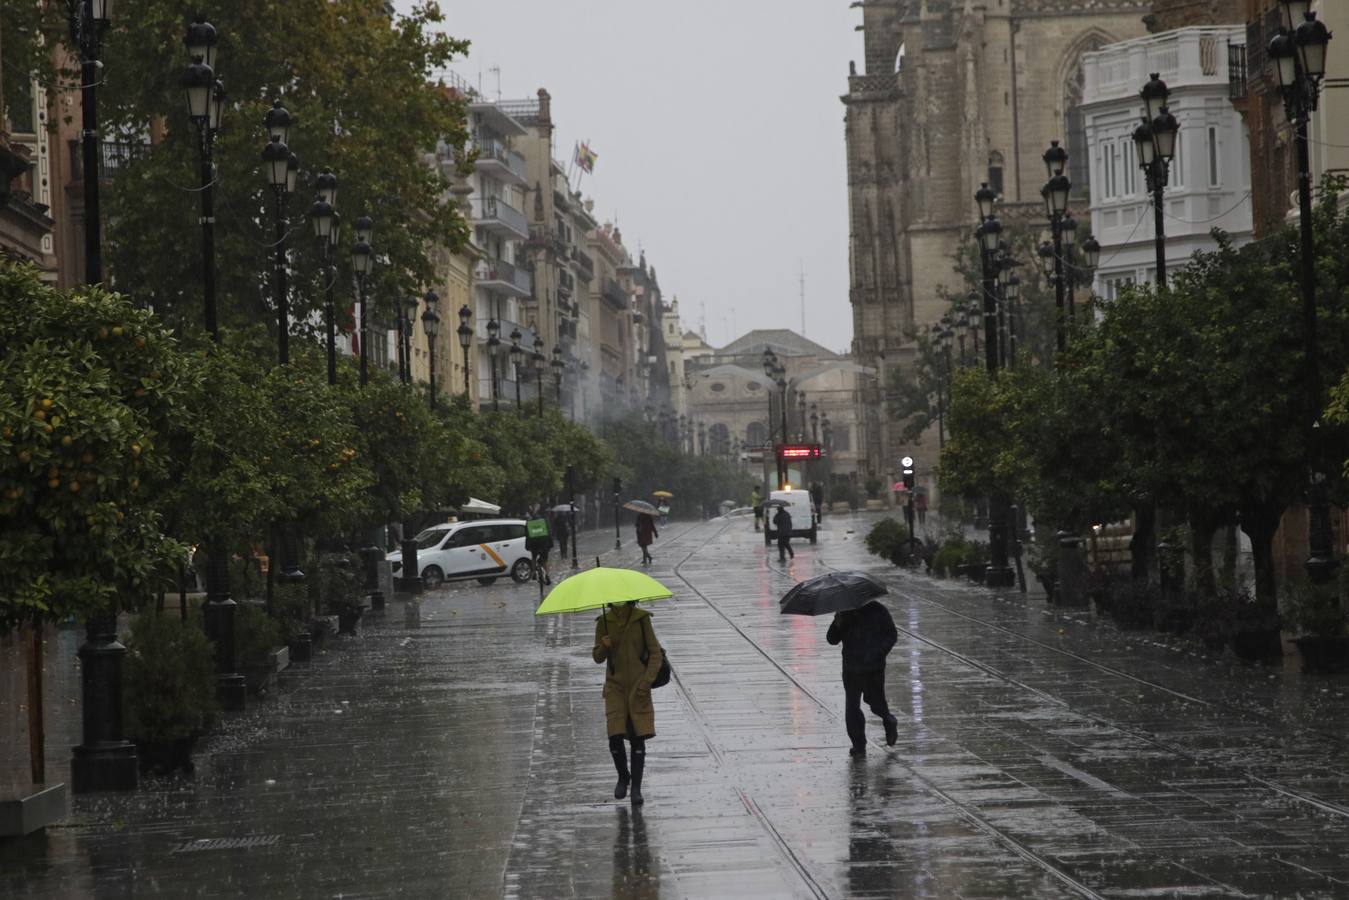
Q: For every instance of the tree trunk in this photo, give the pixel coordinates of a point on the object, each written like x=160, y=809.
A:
x=1143, y=544
x=1260, y=521
x=1202, y=529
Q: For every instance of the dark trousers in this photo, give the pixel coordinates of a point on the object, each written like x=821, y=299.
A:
x=785, y=548
x=562, y=547
x=859, y=686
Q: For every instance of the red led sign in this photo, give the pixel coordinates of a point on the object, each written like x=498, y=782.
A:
x=799, y=451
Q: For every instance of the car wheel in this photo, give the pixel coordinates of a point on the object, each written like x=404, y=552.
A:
x=432, y=577
x=522, y=570
x=487, y=582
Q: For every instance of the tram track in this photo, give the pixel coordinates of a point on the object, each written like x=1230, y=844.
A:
x=970, y=815
x=1323, y=804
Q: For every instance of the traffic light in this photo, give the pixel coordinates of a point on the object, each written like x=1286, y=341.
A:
x=909, y=481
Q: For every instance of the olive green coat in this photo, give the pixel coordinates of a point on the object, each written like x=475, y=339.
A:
x=627, y=686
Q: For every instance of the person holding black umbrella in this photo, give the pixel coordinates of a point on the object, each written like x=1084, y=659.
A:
x=867, y=634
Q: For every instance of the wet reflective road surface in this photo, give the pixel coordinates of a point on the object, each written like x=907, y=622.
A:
x=456, y=748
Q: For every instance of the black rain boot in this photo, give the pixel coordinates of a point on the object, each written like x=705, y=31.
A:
x=638, y=764
x=621, y=764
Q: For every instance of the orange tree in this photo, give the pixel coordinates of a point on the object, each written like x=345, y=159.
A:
x=90, y=386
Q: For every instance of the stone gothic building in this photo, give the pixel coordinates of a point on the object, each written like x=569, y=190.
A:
x=954, y=93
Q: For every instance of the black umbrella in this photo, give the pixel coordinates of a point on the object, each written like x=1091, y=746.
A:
x=768, y=504
x=835, y=592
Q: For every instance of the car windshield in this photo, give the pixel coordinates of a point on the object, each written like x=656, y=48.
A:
x=430, y=538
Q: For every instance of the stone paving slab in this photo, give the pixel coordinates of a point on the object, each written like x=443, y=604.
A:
x=456, y=749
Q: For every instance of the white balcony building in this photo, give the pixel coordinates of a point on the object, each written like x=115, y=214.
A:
x=1210, y=182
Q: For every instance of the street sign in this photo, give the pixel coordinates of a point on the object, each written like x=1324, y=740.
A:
x=799, y=451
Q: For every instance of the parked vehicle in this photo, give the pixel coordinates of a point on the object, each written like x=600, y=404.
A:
x=485, y=549
x=799, y=506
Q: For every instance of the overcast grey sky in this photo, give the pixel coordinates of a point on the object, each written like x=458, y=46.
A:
x=719, y=133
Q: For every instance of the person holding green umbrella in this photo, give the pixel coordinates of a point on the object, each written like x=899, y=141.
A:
x=626, y=643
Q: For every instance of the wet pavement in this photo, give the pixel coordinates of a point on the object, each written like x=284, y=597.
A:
x=456, y=748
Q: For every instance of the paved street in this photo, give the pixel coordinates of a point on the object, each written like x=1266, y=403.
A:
x=456, y=749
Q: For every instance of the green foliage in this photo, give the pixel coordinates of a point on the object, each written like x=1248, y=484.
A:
x=89, y=386
x=340, y=583
x=873, y=487
x=956, y=550
x=256, y=634
x=1314, y=609
x=361, y=87
x=168, y=680
x=290, y=608
x=889, y=539
x=648, y=462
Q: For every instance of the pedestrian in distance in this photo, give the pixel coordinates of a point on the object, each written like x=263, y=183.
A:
x=539, y=543
x=756, y=501
x=920, y=507
x=646, y=533
x=867, y=634
x=562, y=532
x=664, y=510
x=625, y=639
x=782, y=524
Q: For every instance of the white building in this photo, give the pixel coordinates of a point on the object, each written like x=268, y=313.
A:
x=1210, y=184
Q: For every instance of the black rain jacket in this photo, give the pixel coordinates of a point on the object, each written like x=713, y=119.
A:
x=867, y=634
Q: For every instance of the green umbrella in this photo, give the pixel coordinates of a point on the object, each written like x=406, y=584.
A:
x=599, y=587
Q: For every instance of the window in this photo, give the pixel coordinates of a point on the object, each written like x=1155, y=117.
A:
x=1130, y=167
x=756, y=435
x=995, y=165
x=840, y=438
x=1213, y=180
x=1177, y=172
x=1115, y=285
x=1110, y=183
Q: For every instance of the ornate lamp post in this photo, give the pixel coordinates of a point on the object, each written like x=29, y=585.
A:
x=1155, y=139
x=998, y=573
x=88, y=21
x=517, y=354
x=205, y=104
x=1299, y=55
x=362, y=260
x=815, y=422
x=411, y=303
x=1012, y=293
x=323, y=218
x=276, y=160
x=558, y=365
x=539, y=360
x=702, y=439
x=493, y=350
x=801, y=413
x=106, y=760
x=431, y=325
x=465, y=332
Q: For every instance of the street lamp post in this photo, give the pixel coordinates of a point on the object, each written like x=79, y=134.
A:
x=431, y=325
x=105, y=760
x=362, y=259
x=276, y=159
x=465, y=332
x=1299, y=54
x=1055, y=194
x=558, y=366
x=702, y=439
x=1155, y=139
x=205, y=103
x=538, y=359
x=88, y=21
x=998, y=573
x=411, y=303
x=517, y=354
x=1012, y=293
x=493, y=349
x=323, y=216
x=815, y=422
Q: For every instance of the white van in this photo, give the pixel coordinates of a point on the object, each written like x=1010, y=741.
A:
x=800, y=508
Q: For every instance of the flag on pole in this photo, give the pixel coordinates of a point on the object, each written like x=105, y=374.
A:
x=585, y=157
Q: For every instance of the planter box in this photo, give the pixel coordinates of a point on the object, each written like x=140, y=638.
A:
x=346, y=622
x=166, y=757
x=301, y=648
x=261, y=678
x=1257, y=645
x=1323, y=654
x=31, y=808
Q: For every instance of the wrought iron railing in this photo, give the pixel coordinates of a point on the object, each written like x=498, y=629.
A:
x=113, y=156
x=1236, y=71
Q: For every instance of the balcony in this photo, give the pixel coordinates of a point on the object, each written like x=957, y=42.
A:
x=496, y=215
x=1236, y=71
x=586, y=263
x=613, y=292
x=1185, y=57
x=499, y=161
x=499, y=275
